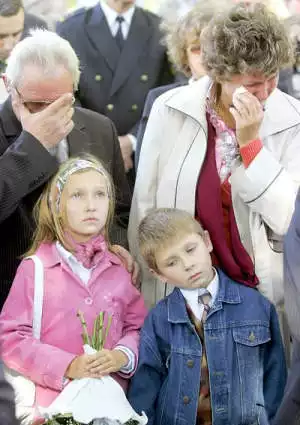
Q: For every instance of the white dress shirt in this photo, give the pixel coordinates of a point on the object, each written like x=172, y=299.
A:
x=84, y=275
x=111, y=15
x=191, y=296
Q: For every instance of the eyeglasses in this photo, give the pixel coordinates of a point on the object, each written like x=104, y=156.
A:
x=36, y=105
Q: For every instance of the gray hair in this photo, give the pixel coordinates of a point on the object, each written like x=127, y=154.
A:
x=10, y=7
x=46, y=50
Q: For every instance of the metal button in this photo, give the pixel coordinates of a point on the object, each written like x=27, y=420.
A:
x=134, y=107
x=251, y=337
x=88, y=301
x=190, y=363
x=144, y=78
x=110, y=106
x=186, y=399
x=98, y=77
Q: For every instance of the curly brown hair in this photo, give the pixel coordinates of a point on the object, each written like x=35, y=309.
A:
x=185, y=32
x=248, y=39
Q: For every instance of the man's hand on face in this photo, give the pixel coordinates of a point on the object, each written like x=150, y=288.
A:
x=52, y=124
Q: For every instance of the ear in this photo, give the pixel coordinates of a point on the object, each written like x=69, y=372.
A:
x=207, y=241
x=158, y=275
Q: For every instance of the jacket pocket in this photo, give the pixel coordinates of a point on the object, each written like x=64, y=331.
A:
x=252, y=336
x=249, y=344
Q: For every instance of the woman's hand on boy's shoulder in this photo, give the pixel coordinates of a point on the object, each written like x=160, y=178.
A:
x=129, y=262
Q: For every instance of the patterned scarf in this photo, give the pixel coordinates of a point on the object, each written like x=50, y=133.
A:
x=89, y=253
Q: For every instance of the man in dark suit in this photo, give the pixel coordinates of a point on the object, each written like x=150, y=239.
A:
x=15, y=24
x=121, y=58
x=40, y=128
x=289, y=411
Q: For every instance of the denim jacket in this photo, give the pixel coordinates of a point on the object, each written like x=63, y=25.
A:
x=244, y=353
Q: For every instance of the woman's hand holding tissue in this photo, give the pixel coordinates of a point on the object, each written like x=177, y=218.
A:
x=248, y=113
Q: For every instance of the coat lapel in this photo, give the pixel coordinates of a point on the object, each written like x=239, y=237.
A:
x=99, y=33
x=78, y=140
x=139, y=34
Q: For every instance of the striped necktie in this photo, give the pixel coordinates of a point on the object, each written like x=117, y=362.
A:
x=204, y=299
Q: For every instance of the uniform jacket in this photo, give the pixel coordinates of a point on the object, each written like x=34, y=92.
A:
x=25, y=167
x=109, y=290
x=244, y=355
x=111, y=83
x=263, y=194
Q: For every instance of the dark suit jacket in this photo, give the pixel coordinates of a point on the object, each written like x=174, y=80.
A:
x=25, y=166
x=7, y=405
x=151, y=97
x=111, y=83
x=32, y=22
x=289, y=411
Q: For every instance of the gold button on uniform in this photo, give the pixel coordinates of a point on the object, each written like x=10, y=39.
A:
x=190, y=363
x=144, y=78
x=186, y=399
x=134, y=107
x=110, y=107
x=98, y=77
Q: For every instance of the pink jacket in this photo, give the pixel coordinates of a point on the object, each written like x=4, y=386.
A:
x=45, y=362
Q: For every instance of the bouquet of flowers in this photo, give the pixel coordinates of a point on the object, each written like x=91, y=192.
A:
x=90, y=401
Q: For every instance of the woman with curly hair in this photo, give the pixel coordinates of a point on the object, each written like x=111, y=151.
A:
x=182, y=39
x=226, y=149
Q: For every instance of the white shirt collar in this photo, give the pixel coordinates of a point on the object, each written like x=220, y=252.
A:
x=76, y=267
x=191, y=296
x=111, y=16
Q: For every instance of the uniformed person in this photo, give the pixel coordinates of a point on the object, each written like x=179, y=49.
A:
x=121, y=59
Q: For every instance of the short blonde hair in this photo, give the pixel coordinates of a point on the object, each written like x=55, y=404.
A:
x=50, y=220
x=161, y=228
x=246, y=40
x=179, y=35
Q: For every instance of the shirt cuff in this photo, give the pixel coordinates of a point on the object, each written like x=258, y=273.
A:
x=129, y=368
x=133, y=141
x=250, y=151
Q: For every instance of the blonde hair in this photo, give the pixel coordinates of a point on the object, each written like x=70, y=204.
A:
x=161, y=228
x=50, y=220
x=246, y=40
x=179, y=35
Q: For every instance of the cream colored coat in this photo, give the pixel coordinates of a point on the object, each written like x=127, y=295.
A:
x=263, y=195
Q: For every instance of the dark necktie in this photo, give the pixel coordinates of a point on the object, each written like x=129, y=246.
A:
x=119, y=36
x=205, y=299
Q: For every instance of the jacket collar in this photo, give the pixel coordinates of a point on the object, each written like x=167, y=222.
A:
x=11, y=124
x=282, y=111
x=229, y=293
x=50, y=256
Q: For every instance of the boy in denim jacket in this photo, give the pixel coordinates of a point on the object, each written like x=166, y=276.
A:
x=210, y=352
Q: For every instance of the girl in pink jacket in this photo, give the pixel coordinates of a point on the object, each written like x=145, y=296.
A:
x=80, y=274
